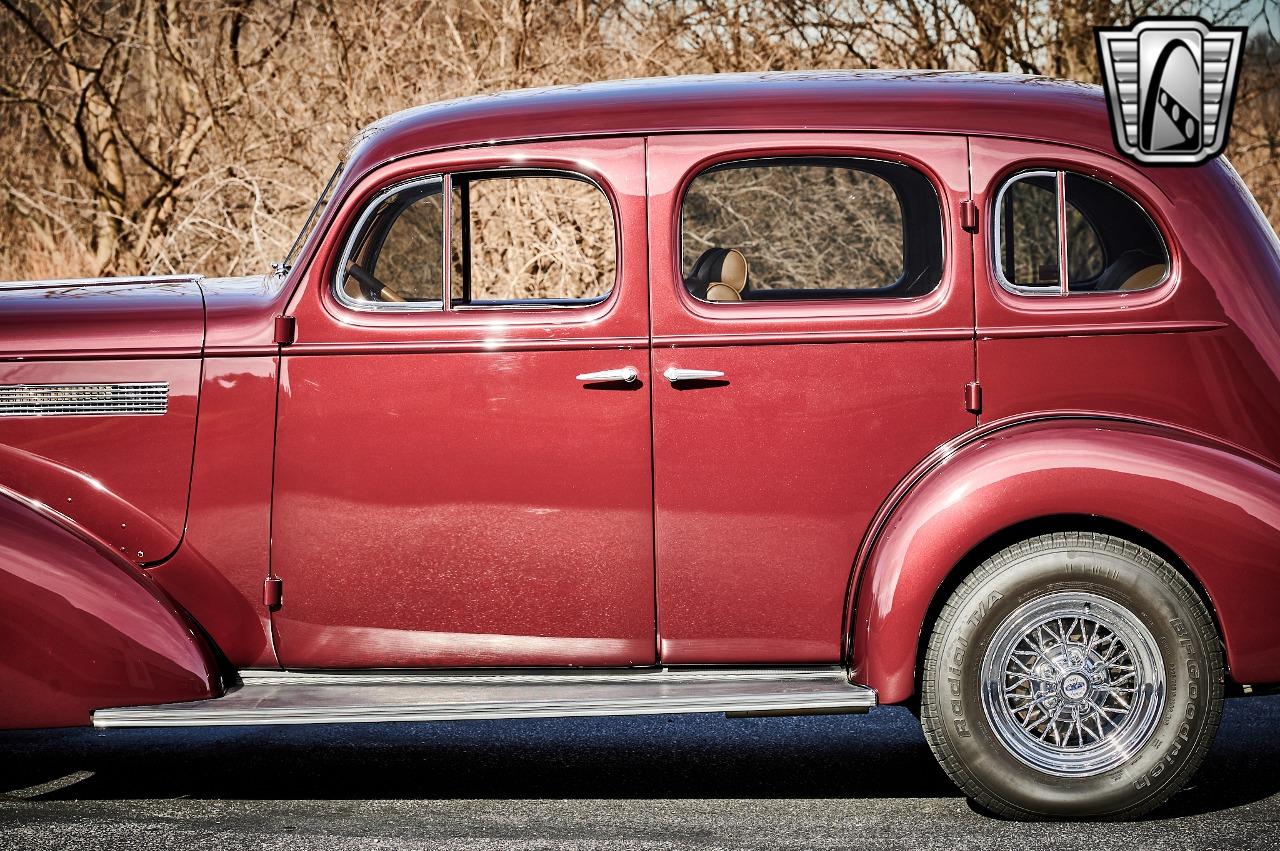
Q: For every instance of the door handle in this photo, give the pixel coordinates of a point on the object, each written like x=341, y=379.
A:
x=626, y=373
x=675, y=373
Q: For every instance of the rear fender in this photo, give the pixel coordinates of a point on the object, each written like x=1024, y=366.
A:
x=83, y=629
x=1216, y=508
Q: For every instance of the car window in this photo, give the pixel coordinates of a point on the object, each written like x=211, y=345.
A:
x=1112, y=245
x=1029, y=213
x=543, y=238
x=783, y=229
x=397, y=254
x=517, y=238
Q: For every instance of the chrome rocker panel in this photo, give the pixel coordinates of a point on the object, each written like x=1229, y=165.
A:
x=274, y=697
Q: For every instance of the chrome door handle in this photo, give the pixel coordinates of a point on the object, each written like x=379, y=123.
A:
x=675, y=373
x=626, y=373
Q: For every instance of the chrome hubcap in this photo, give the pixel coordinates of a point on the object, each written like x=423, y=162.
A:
x=1073, y=684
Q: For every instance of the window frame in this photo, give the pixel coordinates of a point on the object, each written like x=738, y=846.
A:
x=444, y=305
x=876, y=295
x=1059, y=174
x=513, y=172
x=337, y=288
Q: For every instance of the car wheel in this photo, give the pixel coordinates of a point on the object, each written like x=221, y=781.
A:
x=1073, y=675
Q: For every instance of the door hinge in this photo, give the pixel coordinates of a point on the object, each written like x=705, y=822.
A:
x=273, y=593
x=973, y=397
x=969, y=215
x=286, y=330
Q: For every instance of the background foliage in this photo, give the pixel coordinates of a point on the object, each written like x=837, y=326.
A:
x=144, y=136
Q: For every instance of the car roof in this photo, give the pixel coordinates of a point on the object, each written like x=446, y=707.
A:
x=913, y=101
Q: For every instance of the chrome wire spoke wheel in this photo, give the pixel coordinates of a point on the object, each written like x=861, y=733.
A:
x=1073, y=684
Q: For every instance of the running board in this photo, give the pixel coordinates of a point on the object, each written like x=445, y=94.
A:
x=274, y=697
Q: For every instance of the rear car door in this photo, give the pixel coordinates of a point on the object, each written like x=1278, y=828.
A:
x=453, y=487
x=812, y=341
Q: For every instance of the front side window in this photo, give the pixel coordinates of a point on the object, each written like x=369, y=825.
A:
x=516, y=238
x=398, y=256
x=1111, y=244
x=546, y=238
x=783, y=229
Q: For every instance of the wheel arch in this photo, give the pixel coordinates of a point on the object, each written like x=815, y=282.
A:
x=85, y=629
x=1047, y=525
x=1174, y=492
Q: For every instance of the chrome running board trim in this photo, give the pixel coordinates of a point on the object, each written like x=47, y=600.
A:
x=275, y=697
x=499, y=676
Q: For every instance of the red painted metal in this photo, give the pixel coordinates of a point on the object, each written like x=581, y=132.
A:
x=477, y=505
x=241, y=314
x=446, y=492
x=122, y=479
x=217, y=573
x=765, y=483
x=82, y=629
x=1215, y=507
x=286, y=330
x=1220, y=377
x=973, y=397
x=108, y=318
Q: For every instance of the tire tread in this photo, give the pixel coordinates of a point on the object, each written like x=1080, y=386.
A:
x=931, y=722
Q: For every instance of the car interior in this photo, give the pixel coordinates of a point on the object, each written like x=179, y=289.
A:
x=721, y=273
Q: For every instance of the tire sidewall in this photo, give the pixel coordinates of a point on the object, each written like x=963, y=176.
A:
x=1170, y=613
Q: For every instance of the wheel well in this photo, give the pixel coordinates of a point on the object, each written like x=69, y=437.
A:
x=1044, y=526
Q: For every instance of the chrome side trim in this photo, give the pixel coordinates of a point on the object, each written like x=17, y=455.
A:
x=331, y=698
x=84, y=400
x=563, y=676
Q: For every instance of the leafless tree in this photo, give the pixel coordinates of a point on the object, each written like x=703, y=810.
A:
x=157, y=135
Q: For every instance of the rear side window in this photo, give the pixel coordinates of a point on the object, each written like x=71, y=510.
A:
x=1111, y=244
x=524, y=237
x=785, y=229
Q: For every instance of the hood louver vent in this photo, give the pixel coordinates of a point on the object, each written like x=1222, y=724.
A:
x=84, y=400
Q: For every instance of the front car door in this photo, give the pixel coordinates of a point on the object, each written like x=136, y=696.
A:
x=452, y=488
x=813, y=315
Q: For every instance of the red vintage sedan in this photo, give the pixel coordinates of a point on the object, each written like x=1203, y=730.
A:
x=759, y=394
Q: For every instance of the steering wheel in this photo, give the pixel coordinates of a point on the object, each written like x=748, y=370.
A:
x=371, y=287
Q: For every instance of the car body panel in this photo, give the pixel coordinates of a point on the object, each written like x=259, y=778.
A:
x=485, y=506
x=1215, y=508
x=125, y=479
x=217, y=573
x=440, y=490
x=83, y=629
x=764, y=483
x=153, y=317
x=1200, y=351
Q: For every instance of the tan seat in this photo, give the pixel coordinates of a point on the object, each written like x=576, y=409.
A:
x=730, y=279
x=1144, y=278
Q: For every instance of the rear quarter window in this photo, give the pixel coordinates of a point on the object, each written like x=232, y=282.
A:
x=1112, y=245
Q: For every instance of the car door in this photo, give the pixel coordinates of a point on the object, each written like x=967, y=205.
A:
x=463, y=474
x=812, y=313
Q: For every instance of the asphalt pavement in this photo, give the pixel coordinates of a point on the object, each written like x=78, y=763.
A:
x=702, y=782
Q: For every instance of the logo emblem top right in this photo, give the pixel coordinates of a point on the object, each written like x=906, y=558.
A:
x=1170, y=86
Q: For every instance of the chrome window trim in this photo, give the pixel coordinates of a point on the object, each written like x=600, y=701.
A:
x=1041, y=292
x=340, y=292
x=506, y=172
x=996, y=235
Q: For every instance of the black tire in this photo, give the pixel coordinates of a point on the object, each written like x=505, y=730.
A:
x=1010, y=590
